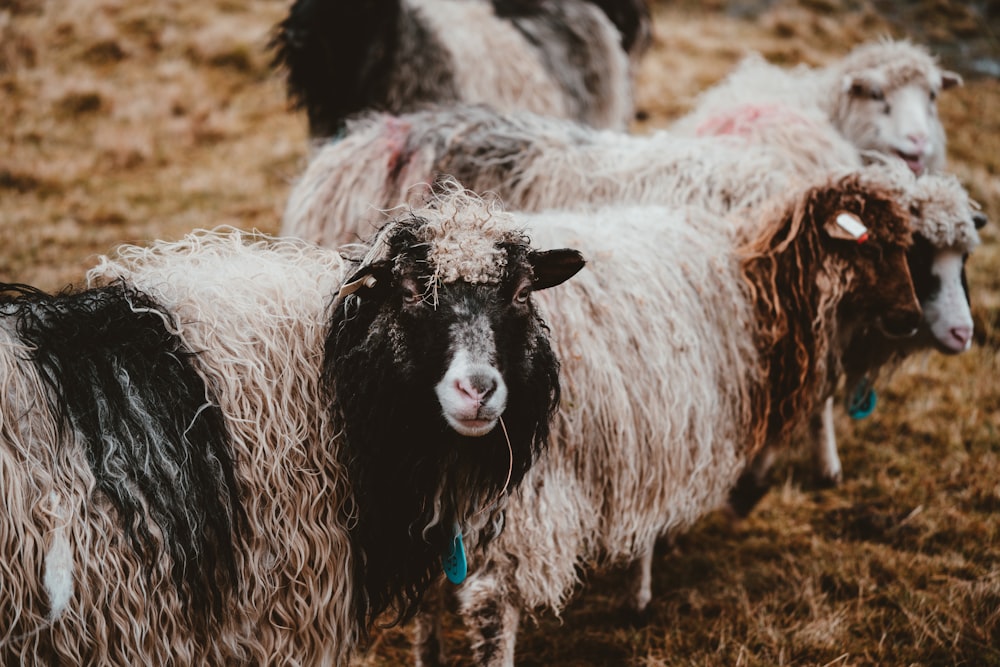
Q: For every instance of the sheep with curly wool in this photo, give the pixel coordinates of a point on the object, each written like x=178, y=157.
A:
x=945, y=231
x=881, y=97
x=211, y=458
x=688, y=344
x=566, y=58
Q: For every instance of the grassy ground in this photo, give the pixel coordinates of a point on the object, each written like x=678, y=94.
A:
x=128, y=120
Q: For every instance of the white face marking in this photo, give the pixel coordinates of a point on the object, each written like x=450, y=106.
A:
x=472, y=392
x=947, y=312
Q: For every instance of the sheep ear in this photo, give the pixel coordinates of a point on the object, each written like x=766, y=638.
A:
x=367, y=279
x=950, y=79
x=553, y=267
x=846, y=227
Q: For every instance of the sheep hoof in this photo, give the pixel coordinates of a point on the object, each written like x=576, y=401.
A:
x=635, y=618
x=745, y=495
x=828, y=480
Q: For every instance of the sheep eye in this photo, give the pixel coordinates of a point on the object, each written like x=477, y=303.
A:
x=522, y=295
x=887, y=109
x=933, y=95
x=411, y=295
x=877, y=95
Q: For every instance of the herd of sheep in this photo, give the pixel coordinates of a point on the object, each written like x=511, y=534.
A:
x=243, y=449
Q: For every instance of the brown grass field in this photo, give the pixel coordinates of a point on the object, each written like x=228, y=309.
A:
x=131, y=120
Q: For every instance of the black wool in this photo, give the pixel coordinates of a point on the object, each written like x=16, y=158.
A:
x=341, y=57
x=127, y=388
x=382, y=365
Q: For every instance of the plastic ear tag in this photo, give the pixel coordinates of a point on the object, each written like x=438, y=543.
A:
x=862, y=401
x=853, y=226
x=454, y=562
x=355, y=285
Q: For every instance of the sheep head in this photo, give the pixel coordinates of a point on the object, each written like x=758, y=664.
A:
x=887, y=103
x=945, y=224
x=437, y=340
x=879, y=288
x=828, y=261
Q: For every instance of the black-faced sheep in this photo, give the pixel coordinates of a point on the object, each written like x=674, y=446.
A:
x=881, y=97
x=207, y=462
x=567, y=58
x=688, y=344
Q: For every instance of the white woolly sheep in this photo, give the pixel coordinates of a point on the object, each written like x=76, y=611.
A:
x=202, y=457
x=881, y=97
x=535, y=162
x=686, y=345
x=567, y=58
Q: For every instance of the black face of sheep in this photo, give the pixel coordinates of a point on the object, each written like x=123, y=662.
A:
x=422, y=369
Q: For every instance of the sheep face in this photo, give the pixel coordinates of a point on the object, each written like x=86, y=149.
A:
x=439, y=342
x=896, y=119
x=946, y=223
x=939, y=276
x=882, y=289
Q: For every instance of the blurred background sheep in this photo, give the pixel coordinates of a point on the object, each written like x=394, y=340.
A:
x=566, y=58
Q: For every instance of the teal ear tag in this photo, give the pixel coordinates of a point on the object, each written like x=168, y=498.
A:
x=454, y=563
x=862, y=401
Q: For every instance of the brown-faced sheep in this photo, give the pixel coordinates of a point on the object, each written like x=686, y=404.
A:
x=567, y=58
x=945, y=223
x=207, y=462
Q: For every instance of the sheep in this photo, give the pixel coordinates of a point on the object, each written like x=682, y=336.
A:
x=688, y=344
x=567, y=58
x=233, y=449
x=945, y=231
x=535, y=163
x=881, y=97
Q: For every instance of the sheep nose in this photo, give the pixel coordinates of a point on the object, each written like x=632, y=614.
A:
x=477, y=388
x=919, y=140
x=962, y=335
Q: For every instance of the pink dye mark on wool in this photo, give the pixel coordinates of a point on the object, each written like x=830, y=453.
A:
x=396, y=133
x=746, y=120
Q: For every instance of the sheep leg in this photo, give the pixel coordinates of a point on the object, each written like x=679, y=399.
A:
x=491, y=618
x=641, y=582
x=753, y=484
x=427, y=639
x=825, y=446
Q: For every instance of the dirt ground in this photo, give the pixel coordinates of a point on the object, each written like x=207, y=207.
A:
x=129, y=120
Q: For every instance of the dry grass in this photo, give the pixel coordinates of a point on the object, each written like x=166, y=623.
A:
x=123, y=120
